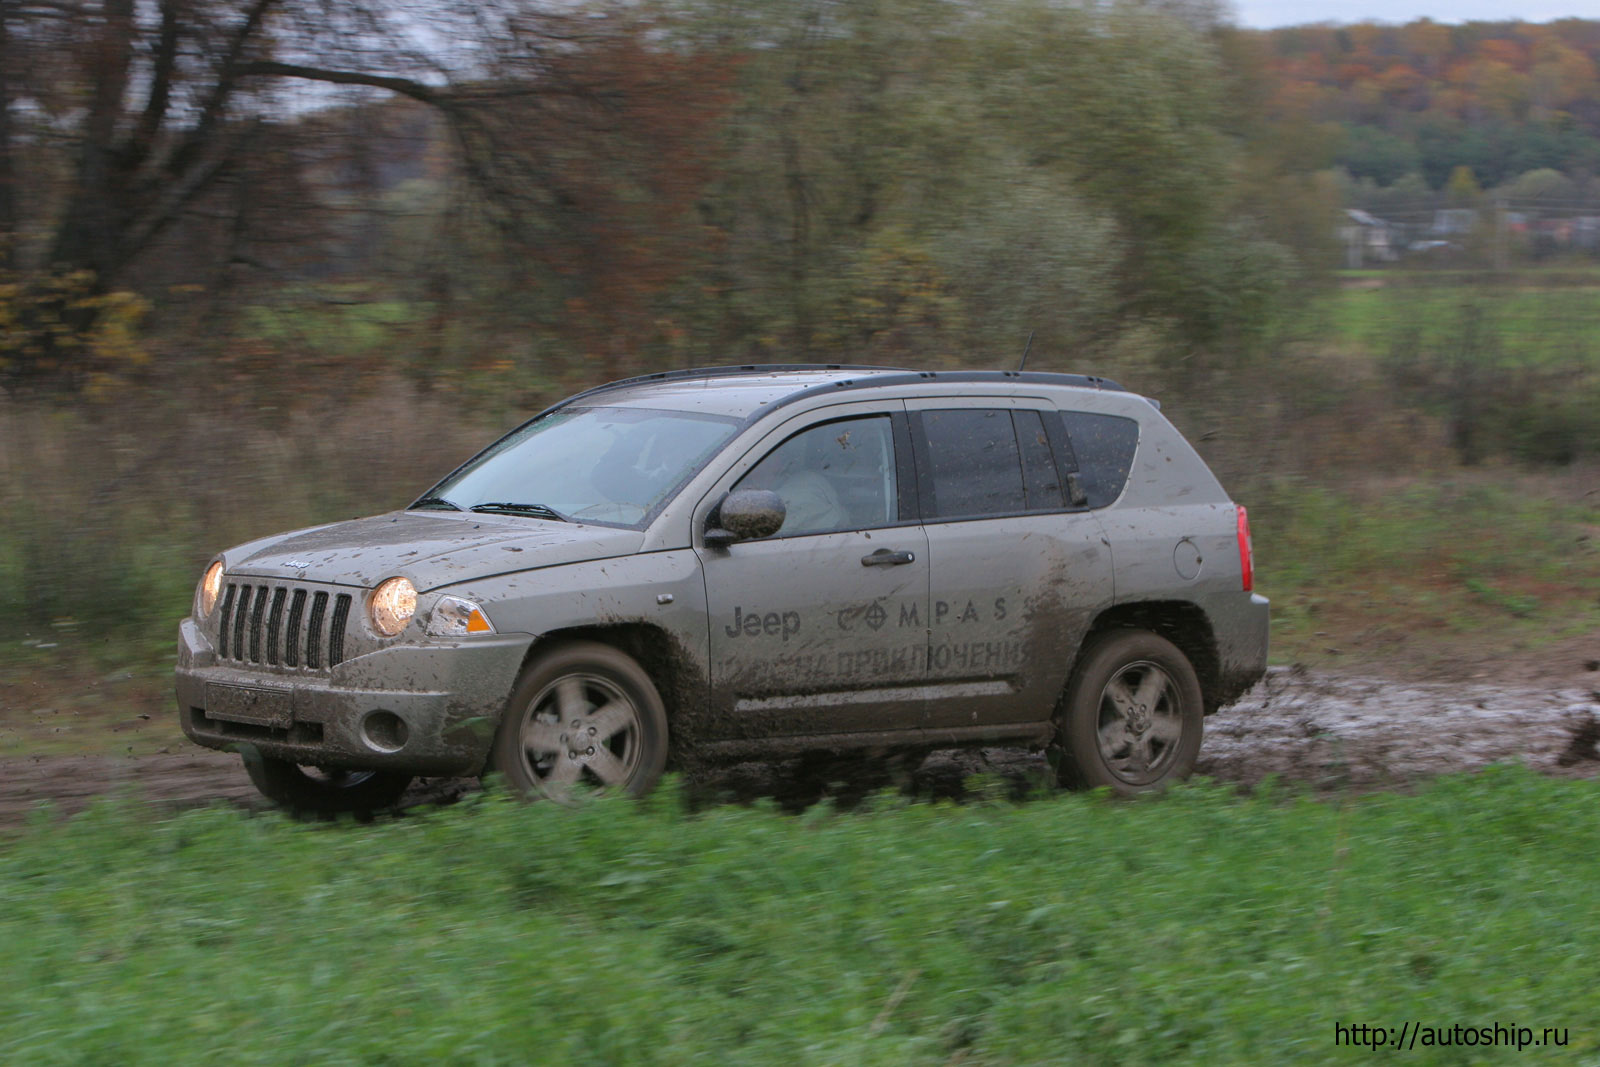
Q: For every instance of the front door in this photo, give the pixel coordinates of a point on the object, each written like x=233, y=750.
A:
x=821, y=628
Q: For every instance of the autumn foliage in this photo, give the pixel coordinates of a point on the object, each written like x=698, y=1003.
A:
x=626, y=168
x=1501, y=98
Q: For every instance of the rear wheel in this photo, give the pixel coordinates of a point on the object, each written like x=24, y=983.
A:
x=325, y=793
x=582, y=714
x=1132, y=715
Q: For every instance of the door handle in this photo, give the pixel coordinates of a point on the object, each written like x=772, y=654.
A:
x=887, y=557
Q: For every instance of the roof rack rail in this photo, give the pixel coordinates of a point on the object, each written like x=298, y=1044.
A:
x=691, y=373
x=881, y=375
x=905, y=377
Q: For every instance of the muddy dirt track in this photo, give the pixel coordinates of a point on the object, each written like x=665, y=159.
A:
x=1325, y=729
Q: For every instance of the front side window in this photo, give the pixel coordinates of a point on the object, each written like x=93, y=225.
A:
x=608, y=465
x=836, y=476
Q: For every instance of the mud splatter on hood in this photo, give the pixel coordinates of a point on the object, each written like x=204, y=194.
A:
x=430, y=548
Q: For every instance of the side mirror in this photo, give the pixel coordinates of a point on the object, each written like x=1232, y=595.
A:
x=746, y=515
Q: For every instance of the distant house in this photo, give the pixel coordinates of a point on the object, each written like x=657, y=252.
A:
x=1586, y=232
x=1366, y=238
x=1453, y=222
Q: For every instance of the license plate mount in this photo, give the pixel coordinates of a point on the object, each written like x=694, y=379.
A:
x=255, y=705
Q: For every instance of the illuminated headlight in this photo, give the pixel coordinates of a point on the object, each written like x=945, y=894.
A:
x=454, y=617
x=391, y=606
x=210, y=588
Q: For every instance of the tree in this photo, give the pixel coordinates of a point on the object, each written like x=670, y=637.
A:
x=1542, y=184
x=1370, y=152
x=1462, y=189
x=166, y=104
x=1127, y=105
x=1562, y=78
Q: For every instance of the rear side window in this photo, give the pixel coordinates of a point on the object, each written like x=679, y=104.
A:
x=1103, y=446
x=983, y=461
x=1041, y=477
x=973, y=466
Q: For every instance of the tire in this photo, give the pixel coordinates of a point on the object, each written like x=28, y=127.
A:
x=314, y=793
x=582, y=713
x=1131, y=717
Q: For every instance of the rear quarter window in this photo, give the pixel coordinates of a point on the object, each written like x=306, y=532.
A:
x=1103, y=446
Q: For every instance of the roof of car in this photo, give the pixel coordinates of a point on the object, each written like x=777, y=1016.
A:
x=751, y=390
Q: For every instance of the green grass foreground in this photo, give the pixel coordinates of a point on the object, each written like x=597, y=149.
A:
x=1199, y=927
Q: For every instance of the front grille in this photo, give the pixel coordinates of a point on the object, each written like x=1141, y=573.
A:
x=271, y=624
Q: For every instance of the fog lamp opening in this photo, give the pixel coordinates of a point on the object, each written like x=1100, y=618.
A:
x=384, y=731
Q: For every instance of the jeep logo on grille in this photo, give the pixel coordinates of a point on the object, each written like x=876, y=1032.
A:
x=297, y=564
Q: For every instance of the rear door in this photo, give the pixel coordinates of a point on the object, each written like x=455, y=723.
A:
x=1017, y=568
x=820, y=628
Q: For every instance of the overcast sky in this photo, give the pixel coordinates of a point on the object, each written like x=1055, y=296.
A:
x=1262, y=14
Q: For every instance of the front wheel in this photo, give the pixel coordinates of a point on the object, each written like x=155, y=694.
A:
x=317, y=793
x=582, y=714
x=1132, y=715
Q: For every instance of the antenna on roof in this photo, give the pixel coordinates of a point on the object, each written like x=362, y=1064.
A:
x=1025, y=349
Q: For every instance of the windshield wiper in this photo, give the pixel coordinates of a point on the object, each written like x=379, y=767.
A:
x=501, y=507
x=434, y=502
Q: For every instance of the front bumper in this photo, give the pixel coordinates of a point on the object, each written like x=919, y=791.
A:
x=417, y=709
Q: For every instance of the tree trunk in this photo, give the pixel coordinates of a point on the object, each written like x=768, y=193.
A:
x=8, y=199
x=88, y=237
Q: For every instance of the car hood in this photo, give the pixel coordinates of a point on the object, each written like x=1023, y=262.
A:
x=430, y=548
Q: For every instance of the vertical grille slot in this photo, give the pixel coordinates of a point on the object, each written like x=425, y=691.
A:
x=319, y=607
x=241, y=612
x=291, y=639
x=258, y=608
x=341, y=614
x=275, y=624
x=283, y=625
x=227, y=617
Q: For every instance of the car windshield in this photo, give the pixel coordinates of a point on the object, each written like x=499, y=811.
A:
x=606, y=465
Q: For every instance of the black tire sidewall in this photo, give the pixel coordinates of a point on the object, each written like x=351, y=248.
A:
x=582, y=657
x=287, y=785
x=1079, y=763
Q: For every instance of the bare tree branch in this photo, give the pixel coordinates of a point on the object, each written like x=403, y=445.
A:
x=177, y=196
x=404, y=86
x=155, y=109
x=438, y=96
x=217, y=100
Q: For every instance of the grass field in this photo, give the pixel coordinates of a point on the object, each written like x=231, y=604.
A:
x=1503, y=558
x=1199, y=927
x=341, y=322
x=1534, y=317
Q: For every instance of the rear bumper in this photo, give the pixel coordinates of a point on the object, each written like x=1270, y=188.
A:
x=417, y=709
x=1240, y=625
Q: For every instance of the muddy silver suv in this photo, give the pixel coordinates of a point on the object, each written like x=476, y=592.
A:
x=746, y=562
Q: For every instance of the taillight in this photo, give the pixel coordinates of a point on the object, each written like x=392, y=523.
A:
x=1247, y=552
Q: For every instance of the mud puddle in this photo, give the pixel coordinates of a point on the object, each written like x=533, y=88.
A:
x=1334, y=730
x=1328, y=730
